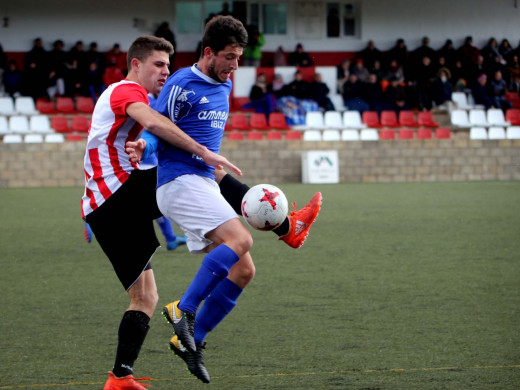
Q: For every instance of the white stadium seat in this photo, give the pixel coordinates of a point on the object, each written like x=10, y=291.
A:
x=7, y=106
x=13, y=139
x=25, y=105
x=312, y=135
x=350, y=135
x=495, y=117
x=478, y=118
x=496, y=132
x=54, y=138
x=4, y=128
x=314, y=120
x=513, y=132
x=478, y=133
x=33, y=138
x=333, y=120
x=460, y=118
x=40, y=124
x=18, y=124
x=331, y=135
x=369, y=135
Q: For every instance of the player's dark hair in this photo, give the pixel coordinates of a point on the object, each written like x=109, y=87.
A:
x=143, y=47
x=223, y=30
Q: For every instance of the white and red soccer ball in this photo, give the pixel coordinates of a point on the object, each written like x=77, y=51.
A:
x=264, y=207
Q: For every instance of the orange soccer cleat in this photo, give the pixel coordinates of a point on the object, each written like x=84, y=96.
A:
x=125, y=383
x=301, y=221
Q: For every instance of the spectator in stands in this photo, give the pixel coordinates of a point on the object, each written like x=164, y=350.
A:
x=279, y=57
x=278, y=85
x=299, y=57
x=395, y=96
x=514, y=86
x=423, y=51
x=399, y=53
x=261, y=97
x=77, y=71
x=395, y=70
x=93, y=55
x=343, y=71
x=299, y=88
x=377, y=70
x=369, y=55
x=449, y=53
x=319, y=92
x=442, y=88
x=424, y=75
x=459, y=76
x=94, y=81
x=373, y=94
x=505, y=50
x=480, y=92
x=360, y=71
x=490, y=51
x=164, y=31
x=474, y=70
x=58, y=70
x=12, y=79
x=115, y=57
x=469, y=53
x=112, y=74
x=498, y=89
x=253, y=50
x=3, y=66
x=37, y=56
x=353, y=94
x=513, y=66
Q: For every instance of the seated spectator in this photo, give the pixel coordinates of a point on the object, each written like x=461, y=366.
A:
x=490, y=51
x=93, y=55
x=369, y=55
x=377, y=70
x=319, y=92
x=260, y=96
x=395, y=70
x=94, y=81
x=277, y=86
x=480, y=92
x=442, y=89
x=399, y=53
x=373, y=94
x=279, y=57
x=425, y=73
x=112, y=74
x=353, y=95
x=116, y=57
x=12, y=79
x=343, y=71
x=299, y=88
x=498, y=89
x=395, y=96
x=360, y=71
x=299, y=57
x=448, y=52
x=468, y=52
x=505, y=49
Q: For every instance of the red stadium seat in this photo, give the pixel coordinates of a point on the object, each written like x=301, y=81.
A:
x=235, y=136
x=424, y=133
x=308, y=73
x=371, y=119
x=65, y=105
x=405, y=134
x=80, y=123
x=274, y=135
x=45, y=106
x=389, y=119
x=425, y=118
x=239, y=122
x=255, y=135
x=293, y=135
x=442, y=133
x=513, y=116
x=74, y=137
x=407, y=118
x=60, y=124
x=514, y=98
x=239, y=102
x=85, y=104
x=387, y=134
x=258, y=121
x=277, y=121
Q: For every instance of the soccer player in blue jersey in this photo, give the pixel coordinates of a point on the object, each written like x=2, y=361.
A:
x=204, y=203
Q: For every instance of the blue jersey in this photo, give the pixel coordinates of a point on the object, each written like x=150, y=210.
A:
x=199, y=105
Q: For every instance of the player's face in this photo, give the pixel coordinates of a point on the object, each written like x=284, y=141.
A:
x=223, y=63
x=154, y=71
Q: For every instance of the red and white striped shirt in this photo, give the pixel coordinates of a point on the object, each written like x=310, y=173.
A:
x=107, y=166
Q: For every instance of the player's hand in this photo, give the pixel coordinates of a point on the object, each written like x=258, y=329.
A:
x=220, y=162
x=135, y=149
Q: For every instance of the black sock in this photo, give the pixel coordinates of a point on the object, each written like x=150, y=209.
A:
x=283, y=229
x=132, y=332
x=233, y=191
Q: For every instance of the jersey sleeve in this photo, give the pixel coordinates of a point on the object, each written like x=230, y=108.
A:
x=125, y=94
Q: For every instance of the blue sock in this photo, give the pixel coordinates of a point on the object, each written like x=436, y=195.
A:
x=215, y=267
x=166, y=229
x=217, y=306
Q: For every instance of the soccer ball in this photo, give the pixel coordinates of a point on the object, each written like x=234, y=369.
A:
x=264, y=207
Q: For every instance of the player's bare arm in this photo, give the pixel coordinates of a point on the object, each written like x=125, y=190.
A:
x=163, y=128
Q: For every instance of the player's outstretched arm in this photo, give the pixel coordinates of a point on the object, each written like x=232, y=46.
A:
x=163, y=128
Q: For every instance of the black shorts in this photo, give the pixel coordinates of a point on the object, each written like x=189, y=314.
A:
x=123, y=226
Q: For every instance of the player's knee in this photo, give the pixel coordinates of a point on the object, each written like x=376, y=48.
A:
x=148, y=299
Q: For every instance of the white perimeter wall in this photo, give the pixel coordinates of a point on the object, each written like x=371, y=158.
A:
x=383, y=21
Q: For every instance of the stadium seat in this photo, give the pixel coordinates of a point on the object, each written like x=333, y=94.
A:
x=40, y=124
x=514, y=98
x=13, y=139
x=405, y=134
x=389, y=118
x=314, y=120
x=239, y=102
x=18, y=124
x=239, y=122
x=460, y=118
x=54, y=138
x=255, y=135
x=368, y=135
x=337, y=101
x=74, y=137
x=4, y=128
x=407, y=118
x=350, y=135
x=293, y=135
x=85, y=104
x=45, y=106
x=65, y=105
x=424, y=133
x=386, y=134
x=312, y=135
x=461, y=101
x=331, y=135
x=513, y=116
x=478, y=118
x=352, y=120
x=513, y=132
x=277, y=121
x=60, y=124
x=442, y=133
x=495, y=117
x=371, y=119
x=80, y=123
x=258, y=121
x=478, y=133
x=274, y=135
x=308, y=73
x=33, y=138
x=234, y=135
x=425, y=119
x=7, y=106
x=25, y=105
x=333, y=120
x=496, y=132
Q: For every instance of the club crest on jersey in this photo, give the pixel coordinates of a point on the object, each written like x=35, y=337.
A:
x=182, y=105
